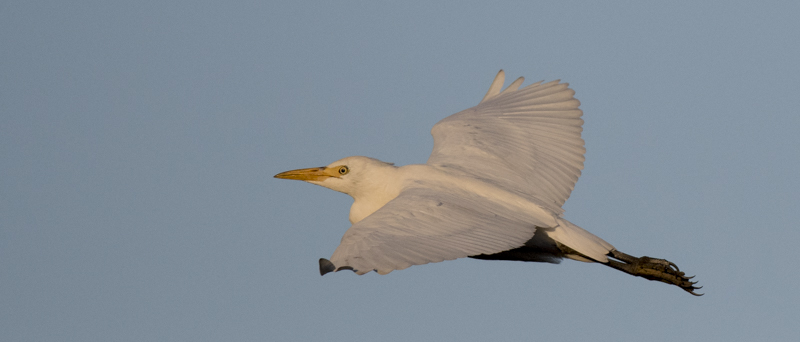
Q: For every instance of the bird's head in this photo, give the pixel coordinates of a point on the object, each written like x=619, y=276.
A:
x=348, y=175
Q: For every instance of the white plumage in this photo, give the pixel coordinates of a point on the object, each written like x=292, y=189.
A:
x=498, y=171
x=492, y=188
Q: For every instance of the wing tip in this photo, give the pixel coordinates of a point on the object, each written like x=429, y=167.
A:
x=325, y=266
x=497, y=85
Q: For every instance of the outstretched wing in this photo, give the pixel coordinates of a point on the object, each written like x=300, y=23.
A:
x=424, y=225
x=527, y=141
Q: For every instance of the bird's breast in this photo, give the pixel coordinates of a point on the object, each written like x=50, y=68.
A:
x=361, y=209
x=367, y=202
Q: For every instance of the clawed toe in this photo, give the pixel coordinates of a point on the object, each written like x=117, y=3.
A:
x=654, y=269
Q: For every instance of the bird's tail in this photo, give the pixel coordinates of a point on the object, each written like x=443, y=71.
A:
x=588, y=247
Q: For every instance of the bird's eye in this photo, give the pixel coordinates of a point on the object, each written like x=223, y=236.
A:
x=343, y=170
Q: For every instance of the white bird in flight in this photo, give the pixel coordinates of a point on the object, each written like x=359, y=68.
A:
x=492, y=189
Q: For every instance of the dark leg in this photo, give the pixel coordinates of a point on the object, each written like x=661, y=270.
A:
x=653, y=269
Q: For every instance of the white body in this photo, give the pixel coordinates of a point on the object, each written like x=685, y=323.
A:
x=383, y=182
x=496, y=179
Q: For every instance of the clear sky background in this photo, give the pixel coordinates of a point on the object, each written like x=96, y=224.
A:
x=138, y=141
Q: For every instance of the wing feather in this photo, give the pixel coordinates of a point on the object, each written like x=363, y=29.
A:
x=497, y=84
x=527, y=141
x=424, y=225
x=514, y=85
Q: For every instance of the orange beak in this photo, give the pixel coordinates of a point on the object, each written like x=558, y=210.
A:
x=311, y=174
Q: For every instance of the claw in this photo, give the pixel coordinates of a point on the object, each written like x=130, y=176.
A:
x=653, y=269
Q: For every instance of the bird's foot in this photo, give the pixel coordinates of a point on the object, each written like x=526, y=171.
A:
x=653, y=269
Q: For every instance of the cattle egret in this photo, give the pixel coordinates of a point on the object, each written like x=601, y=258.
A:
x=492, y=189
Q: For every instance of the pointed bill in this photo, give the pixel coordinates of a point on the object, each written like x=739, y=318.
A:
x=310, y=174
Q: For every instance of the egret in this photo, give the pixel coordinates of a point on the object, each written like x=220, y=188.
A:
x=491, y=189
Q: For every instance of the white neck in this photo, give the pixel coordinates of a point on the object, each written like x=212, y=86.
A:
x=373, y=192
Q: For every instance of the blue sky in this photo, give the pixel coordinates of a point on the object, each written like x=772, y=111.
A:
x=138, y=143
